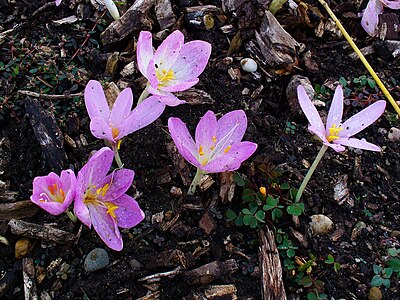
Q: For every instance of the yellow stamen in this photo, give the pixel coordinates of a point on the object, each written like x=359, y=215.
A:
x=214, y=139
x=263, y=191
x=115, y=132
x=62, y=193
x=201, y=152
x=103, y=190
x=212, y=148
x=52, y=188
x=227, y=149
x=119, y=144
x=111, y=209
x=165, y=76
x=334, y=133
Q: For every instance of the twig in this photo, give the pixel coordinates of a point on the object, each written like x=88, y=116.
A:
x=157, y=277
x=46, y=96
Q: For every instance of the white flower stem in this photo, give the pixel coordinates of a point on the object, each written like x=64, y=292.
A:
x=116, y=156
x=310, y=172
x=196, y=181
x=143, y=96
x=71, y=215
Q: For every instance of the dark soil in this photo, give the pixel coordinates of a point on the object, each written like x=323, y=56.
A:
x=373, y=178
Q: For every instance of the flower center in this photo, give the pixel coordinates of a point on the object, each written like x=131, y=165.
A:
x=111, y=209
x=205, y=155
x=56, y=194
x=334, y=133
x=164, y=77
x=115, y=132
x=91, y=197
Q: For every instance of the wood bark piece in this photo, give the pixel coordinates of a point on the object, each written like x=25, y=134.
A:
x=135, y=18
x=277, y=46
x=17, y=210
x=164, y=13
x=195, y=97
x=36, y=231
x=227, y=189
x=179, y=163
x=28, y=271
x=272, y=287
x=47, y=133
x=227, y=291
x=210, y=272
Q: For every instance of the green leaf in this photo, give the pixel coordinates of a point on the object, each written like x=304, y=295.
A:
x=311, y=296
x=306, y=281
x=290, y=253
x=253, y=223
x=272, y=201
x=377, y=269
x=247, y=219
x=386, y=282
x=377, y=280
x=336, y=266
x=393, y=251
x=246, y=211
x=387, y=272
x=239, y=220
x=276, y=214
x=238, y=179
x=285, y=186
x=394, y=264
x=260, y=215
x=230, y=214
x=330, y=259
x=343, y=81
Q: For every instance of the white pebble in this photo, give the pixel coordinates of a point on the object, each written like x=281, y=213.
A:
x=248, y=65
x=394, y=134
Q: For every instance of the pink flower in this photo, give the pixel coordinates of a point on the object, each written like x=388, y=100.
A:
x=337, y=134
x=121, y=121
x=174, y=66
x=58, y=2
x=101, y=200
x=218, y=147
x=53, y=193
x=370, y=18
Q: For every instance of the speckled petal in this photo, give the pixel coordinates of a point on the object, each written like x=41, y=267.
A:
x=152, y=75
x=356, y=143
x=166, y=97
x=166, y=55
x=119, y=182
x=144, y=51
x=121, y=108
x=95, y=101
x=395, y=4
x=336, y=147
x=370, y=18
x=205, y=131
x=235, y=119
x=318, y=133
x=101, y=129
x=177, y=86
x=128, y=212
x=81, y=210
x=336, y=110
x=310, y=111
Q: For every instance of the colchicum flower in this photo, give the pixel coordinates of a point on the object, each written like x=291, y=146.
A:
x=101, y=200
x=121, y=121
x=173, y=67
x=337, y=134
x=370, y=17
x=53, y=193
x=218, y=147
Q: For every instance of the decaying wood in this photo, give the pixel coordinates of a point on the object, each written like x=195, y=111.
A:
x=165, y=15
x=47, y=133
x=209, y=272
x=36, y=231
x=135, y=18
x=17, y=210
x=5, y=154
x=49, y=97
x=277, y=46
x=157, y=277
x=152, y=296
x=28, y=271
x=227, y=189
x=388, y=26
x=203, y=9
x=272, y=287
x=179, y=163
x=195, y=97
x=227, y=291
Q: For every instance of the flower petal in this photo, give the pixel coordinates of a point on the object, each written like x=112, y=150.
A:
x=183, y=140
x=318, y=133
x=236, y=118
x=336, y=110
x=336, y=147
x=395, y=4
x=144, y=51
x=206, y=130
x=58, y=2
x=112, y=8
x=152, y=74
x=144, y=114
x=370, y=18
x=100, y=129
x=356, y=143
x=362, y=119
x=81, y=210
x=166, y=97
x=121, y=108
x=232, y=159
x=95, y=101
x=177, y=86
x=106, y=227
x=119, y=182
x=166, y=55
x=192, y=60
x=128, y=212
x=309, y=110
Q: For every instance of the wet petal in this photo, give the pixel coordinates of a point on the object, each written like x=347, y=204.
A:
x=166, y=97
x=318, y=133
x=395, y=4
x=206, y=131
x=336, y=147
x=152, y=74
x=95, y=101
x=236, y=118
x=119, y=182
x=144, y=51
x=106, y=227
x=362, y=119
x=128, y=212
x=356, y=143
x=177, y=86
x=166, y=55
x=336, y=110
x=121, y=108
x=232, y=159
x=101, y=129
x=81, y=210
x=58, y=2
x=192, y=60
x=370, y=18
x=309, y=110
x=183, y=140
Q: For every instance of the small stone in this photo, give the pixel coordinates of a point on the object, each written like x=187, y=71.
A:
x=96, y=260
x=394, y=134
x=357, y=230
x=135, y=265
x=248, y=65
x=320, y=224
x=22, y=248
x=375, y=294
x=382, y=131
x=395, y=233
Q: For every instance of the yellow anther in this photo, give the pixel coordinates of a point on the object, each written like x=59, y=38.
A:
x=165, y=76
x=111, y=209
x=119, y=144
x=105, y=189
x=201, y=152
x=212, y=148
x=227, y=149
x=214, y=139
x=62, y=193
x=263, y=191
x=334, y=133
x=52, y=188
x=115, y=132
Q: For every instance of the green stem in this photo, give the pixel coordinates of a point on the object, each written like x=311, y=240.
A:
x=70, y=215
x=310, y=172
x=144, y=95
x=196, y=181
x=116, y=155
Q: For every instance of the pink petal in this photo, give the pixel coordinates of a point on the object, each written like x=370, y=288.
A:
x=205, y=131
x=128, y=212
x=318, y=133
x=235, y=120
x=336, y=147
x=232, y=159
x=81, y=210
x=101, y=129
x=183, y=140
x=144, y=114
x=144, y=51
x=121, y=108
x=192, y=60
x=152, y=75
x=336, y=110
x=166, y=55
x=370, y=18
x=177, y=86
x=356, y=143
x=362, y=119
x=95, y=101
x=106, y=227
x=119, y=182
x=166, y=97
x=58, y=2
x=395, y=4
x=309, y=110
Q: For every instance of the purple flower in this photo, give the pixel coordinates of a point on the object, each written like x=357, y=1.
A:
x=370, y=18
x=53, y=193
x=121, y=121
x=57, y=2
x=174, y=66
x=218, y=147
x=101, y=200
x=337, y=134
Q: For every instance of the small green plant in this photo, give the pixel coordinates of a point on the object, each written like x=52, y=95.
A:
x=331, y=261
x=316, y=296
x=383, y=274
x=290, y=127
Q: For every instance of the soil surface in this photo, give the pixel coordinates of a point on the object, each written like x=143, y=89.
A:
x=191, y=231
